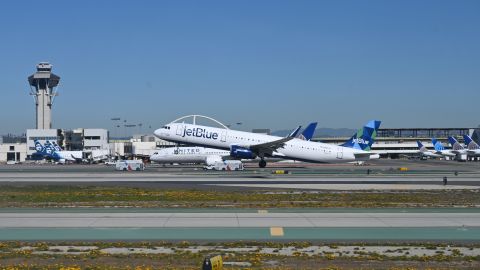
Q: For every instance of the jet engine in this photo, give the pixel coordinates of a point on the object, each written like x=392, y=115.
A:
x=241, y=152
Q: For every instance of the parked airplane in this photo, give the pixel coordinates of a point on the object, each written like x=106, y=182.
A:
x=60, y=156
x=457, y=148
x=247, y=145
x=427, y=153
x=472, y=147
x=56, y=146
x=440, y=149
x=209, y=156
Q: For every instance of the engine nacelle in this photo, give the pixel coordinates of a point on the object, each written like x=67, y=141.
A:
x=241, y=152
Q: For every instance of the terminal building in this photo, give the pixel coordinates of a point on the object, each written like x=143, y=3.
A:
x=81, y=139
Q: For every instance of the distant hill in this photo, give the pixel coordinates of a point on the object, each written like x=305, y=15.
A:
x=322, y=132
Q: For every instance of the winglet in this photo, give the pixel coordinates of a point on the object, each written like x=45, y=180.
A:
x=294, y=132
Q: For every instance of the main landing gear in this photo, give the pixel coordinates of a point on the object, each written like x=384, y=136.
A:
x=262, y=163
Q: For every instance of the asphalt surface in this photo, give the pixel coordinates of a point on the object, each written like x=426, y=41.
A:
x=241, y=226
x=183, y=224
x=380, y=174
x=239, y=220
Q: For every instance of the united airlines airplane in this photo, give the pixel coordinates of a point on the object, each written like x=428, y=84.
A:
x=209, y=156
x=457, y=148
x=472, y=147
x=247, y=145
x=427, y=153
x=438, y=152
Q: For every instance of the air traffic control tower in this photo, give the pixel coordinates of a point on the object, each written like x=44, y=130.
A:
x=42, y=86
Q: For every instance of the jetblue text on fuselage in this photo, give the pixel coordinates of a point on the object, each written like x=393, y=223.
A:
x=360, y=141
x=200, y=133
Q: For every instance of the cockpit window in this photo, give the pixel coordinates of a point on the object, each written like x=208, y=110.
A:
x=166, y=127
x=156, y=153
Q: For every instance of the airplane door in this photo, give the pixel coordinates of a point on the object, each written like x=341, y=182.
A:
x=223, y=136
x=340, y=152
x=180, y=129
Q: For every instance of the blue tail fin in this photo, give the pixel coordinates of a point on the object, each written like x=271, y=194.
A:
x=39, y=147
x=467, y=139
x=364, y=137
x=307, y=134
x=48, y=149
x=420, y=146
x=471, y=145
x=56, y=146
x=438, y=146
x=455, y=144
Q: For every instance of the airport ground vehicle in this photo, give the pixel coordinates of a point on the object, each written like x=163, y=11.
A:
x=226, y=165
x=129, y=165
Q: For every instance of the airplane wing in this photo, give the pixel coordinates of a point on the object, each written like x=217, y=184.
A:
x=269, y=147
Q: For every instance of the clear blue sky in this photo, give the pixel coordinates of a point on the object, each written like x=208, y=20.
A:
x=271, y=64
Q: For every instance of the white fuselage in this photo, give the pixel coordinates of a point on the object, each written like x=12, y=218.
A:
x=70, y=155
x=446, y=153
x=431, y=154
x=223, y=139
x=188, y=155
x=474, y=152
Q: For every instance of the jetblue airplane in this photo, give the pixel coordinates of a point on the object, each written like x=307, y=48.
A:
x=247, y=145
x=51, y=150
x=209, y=156
x=472, y=147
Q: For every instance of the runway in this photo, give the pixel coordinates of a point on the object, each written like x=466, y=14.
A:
x=379, y=175
x=262, y=225
x=239, y=224
x=240, y=220
x=305, y=182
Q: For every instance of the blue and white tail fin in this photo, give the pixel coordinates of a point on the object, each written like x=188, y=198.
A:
x=365, y=137
x=471, y=144
x=49, y=150
x=39, y=147
x=455, y=144
x=421, y=147
x=437, y=145
x=56, y=146
x=307, y=134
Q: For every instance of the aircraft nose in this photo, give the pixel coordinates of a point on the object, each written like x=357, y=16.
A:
x=157, y=133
